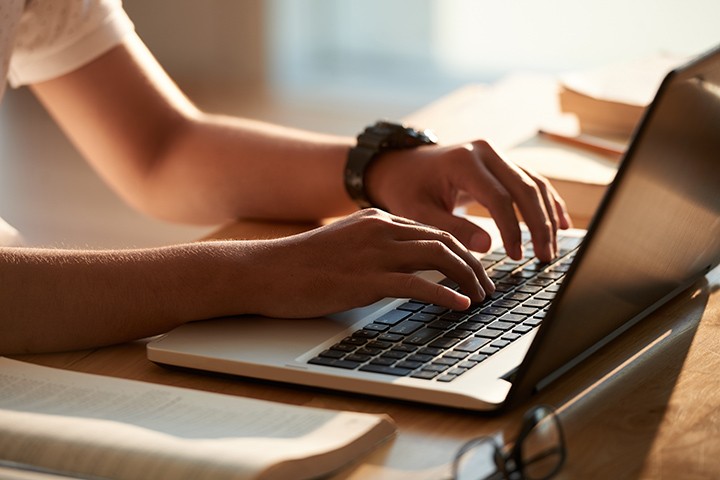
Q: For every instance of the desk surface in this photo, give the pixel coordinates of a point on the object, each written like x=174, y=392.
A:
x=646, y=406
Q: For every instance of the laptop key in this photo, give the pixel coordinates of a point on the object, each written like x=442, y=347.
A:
x=332, y=362
x=471, y=344
x=425, y=375
x=423, y=336
x=407, y=327
x=398, y=372
x=393, y=317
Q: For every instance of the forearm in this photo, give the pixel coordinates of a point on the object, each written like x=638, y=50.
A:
x=223, y=168
x=65, y=299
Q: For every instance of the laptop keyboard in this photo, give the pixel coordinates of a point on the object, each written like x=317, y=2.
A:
x=430, y=342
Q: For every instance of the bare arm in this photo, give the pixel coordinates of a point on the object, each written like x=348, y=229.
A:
x=64, y=299
x=169, y=159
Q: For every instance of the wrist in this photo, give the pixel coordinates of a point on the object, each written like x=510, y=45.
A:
x=378, y=139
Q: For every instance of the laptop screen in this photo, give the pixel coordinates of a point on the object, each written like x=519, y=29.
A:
x=656, y=232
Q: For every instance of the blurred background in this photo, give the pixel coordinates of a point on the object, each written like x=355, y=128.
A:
x=326, y=65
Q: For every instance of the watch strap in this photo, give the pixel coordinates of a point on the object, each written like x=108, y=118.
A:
x=374, y=140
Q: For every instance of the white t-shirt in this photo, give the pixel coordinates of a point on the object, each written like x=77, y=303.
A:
x=44, y=39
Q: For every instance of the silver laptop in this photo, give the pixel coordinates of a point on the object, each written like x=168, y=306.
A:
x=656, y=232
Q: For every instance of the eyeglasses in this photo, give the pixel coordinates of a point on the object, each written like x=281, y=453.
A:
x=537, y=454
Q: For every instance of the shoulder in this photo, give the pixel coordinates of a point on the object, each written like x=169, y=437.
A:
x=55, y=37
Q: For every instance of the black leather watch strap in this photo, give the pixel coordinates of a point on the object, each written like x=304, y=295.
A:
x=374, y=140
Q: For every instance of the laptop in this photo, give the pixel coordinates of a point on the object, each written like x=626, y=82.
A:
x=656, y=232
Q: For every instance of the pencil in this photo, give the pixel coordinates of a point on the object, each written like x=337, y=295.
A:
x=587, y=142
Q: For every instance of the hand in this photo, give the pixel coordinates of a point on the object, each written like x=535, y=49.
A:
x=358, y=260
x=427, y=183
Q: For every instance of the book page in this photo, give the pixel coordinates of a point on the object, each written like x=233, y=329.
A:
x=103, y=427
x=557, y=161
x=632, y=83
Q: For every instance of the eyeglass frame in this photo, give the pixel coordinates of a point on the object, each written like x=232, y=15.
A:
x=513, y=458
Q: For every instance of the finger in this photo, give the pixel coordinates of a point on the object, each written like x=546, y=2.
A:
x=486, y=189
x=550, y=208
x=426, y=233
x=417, y=255
x=467, y=233
x=408, y=285
x=526, y=195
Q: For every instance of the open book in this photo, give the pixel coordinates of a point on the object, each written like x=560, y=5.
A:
x=89, y=426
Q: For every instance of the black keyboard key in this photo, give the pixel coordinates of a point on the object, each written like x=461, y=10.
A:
x=423, y=336
x=390, y=337
x=444, y=342
x=366, y=350
x=478, y=357
x=441, y=324
x=333, y=362
x=546, y=295
x=383, y=361
x=344, y=347
x=471, y=344
x=470, y=326
x=453, y=316
x=488, y=333
x=332, y=353
x=504, y=303
x=454, y=354
x=500, y=343
x=425, y=375
x=536, y=303
x=531, y=289
x=496, y=311
x=488, y=350
x=393, y=317
x=375, y=327
x=356, y=357
x=524, y=311
x=433, y=367
x=522, y=329
x=446, y=361
x=457, y=333
x=404, y=348
x=411, y=306
x=398, y=372
x=409, y=364
x=512, y=318
x=393, y=354
x=420, y=357
x=499, y=325
x=430, y=351
x=434, y=309
x=517, y=296
x=423, y=317
x=482, y=317
x=407, y=327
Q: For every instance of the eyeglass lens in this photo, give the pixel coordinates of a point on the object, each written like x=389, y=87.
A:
x=541, y=450
x=537, y=455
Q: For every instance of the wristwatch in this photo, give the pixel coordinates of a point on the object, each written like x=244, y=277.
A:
x=376, y=139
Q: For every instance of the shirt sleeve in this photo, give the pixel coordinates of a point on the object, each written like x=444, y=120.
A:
x=56, y=37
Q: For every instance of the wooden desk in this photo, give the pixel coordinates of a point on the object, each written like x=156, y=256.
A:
x=646, y=406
